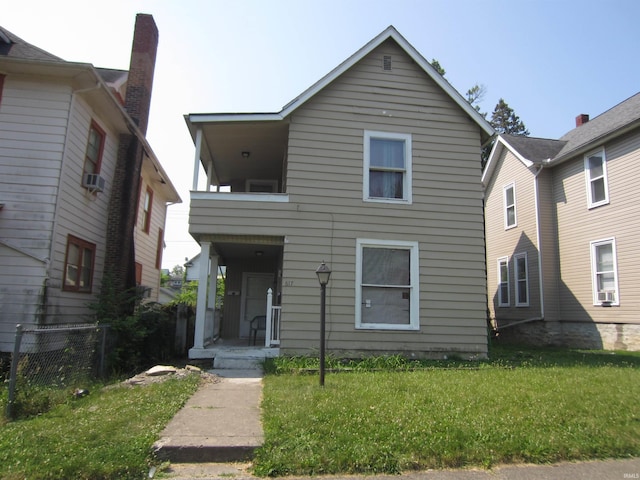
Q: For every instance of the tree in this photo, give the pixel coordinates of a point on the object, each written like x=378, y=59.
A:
x=177, y=271
x=504, y=120
x=475, y=95
x=436, y=64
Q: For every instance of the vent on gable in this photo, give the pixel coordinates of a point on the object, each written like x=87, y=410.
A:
x=386, y=63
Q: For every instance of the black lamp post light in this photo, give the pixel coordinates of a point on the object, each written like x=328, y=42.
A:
x=324, y=273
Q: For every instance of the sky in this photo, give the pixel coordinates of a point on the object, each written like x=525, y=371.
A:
x=550, y=60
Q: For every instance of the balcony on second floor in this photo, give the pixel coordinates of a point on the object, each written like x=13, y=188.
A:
x=239, y=170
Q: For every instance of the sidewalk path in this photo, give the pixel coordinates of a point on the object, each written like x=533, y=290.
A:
x=219, y=423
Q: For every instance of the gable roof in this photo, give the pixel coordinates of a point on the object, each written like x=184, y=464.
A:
x=615, y=121
x=14, y=47
x=544, y=151
x=389, y=33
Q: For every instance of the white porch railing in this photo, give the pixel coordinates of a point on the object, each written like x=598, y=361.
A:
x=272, y=327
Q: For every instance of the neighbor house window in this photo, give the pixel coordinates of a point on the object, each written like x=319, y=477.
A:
x=387, y=167
x=503, y=282
x=510, y=206
x=78, y=265
x=159, y=248
x=95, y=147
x=146, y=210
x=605, y=272
x=595, y=165
x=522, y=280
x=387, y=292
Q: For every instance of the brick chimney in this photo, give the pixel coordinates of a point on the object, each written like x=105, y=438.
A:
x=119, y=271
x=141, y=68
x=581, y=119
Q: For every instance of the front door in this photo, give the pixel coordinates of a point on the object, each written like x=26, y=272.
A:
x=254, y=298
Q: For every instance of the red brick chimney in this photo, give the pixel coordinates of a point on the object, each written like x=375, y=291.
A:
x=119, y=271
x=141, y=68
x=582, y=119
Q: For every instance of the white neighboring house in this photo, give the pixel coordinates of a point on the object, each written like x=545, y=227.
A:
x=61, y=128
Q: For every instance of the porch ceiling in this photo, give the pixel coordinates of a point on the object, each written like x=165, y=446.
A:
x=245, y=250
x=266, y=143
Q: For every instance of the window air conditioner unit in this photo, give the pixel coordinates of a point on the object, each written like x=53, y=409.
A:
x=607, y=296
x=93, y=182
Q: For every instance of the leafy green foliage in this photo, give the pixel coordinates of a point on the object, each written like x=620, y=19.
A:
x=137, y=340
x=522, y=405
x=106, y=435
x=436, y=64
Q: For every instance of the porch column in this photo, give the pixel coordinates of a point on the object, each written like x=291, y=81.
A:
x=196, y=160
x=201, y=306
x=213, y=282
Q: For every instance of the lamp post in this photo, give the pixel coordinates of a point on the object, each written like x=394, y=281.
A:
x=323, y=272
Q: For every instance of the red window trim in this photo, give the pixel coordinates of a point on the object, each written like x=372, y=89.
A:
x=159, y=248
x=103, y=136
x=83, y=245
x=147, y=216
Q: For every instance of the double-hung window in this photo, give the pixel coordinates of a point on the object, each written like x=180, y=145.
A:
x=78, y=265
x=595, y=166
x=510, y=206
x=387, y=291
x=605, y=272
x=522, y=280
x=146, y=210
x=387, y=167
x=95, y=147
x=503, y=282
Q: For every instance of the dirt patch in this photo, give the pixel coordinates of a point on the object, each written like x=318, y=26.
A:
x=161, y=373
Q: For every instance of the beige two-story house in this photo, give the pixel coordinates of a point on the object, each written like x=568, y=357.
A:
x=375, y=170
x=563, y=258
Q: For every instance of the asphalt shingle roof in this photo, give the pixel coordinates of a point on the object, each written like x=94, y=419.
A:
x=14, y=47
x=534, y=149
x=615, y=118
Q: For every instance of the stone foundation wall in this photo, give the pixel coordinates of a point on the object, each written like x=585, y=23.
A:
x=605, y=336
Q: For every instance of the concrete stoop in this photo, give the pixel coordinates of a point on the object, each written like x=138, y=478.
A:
x=237, y=361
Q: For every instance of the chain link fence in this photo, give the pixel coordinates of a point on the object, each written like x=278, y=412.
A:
x=57, y=356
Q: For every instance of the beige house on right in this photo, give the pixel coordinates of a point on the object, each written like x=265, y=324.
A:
x=562, y=234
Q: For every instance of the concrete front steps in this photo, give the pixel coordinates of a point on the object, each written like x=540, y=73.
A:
x=241, y=358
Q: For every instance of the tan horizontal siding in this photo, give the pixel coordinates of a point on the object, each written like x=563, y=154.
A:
x=578, y=226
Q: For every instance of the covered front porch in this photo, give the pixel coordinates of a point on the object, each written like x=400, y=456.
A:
x=238, y=306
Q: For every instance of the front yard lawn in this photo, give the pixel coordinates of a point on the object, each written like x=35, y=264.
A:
x=523, y=405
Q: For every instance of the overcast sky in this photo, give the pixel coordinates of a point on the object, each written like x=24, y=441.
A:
x=549, y=59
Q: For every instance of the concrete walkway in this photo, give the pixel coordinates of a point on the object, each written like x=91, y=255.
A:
x=219, y=423
x=215, y=434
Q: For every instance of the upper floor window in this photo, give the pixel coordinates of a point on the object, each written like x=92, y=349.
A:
x=605, y=272
x=510, y=206
x=522, y=280
x=387, y=274
x=78, y=265
x=146, y=210
x=503, y=282
x=595, y=166
x=387, y=167
x=95, y=147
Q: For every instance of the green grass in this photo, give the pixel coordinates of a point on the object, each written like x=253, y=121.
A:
x=528, y=405
x=106, y=435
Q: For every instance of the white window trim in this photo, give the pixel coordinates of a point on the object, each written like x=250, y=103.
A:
x=590, y=202
x=414, y=305
x=406, y=137
x=501, y=303
x=594, y=270
x=506, y=206
x=517, y=278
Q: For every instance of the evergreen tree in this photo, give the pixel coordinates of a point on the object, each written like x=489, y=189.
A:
x=504, y=120
x=436, y=64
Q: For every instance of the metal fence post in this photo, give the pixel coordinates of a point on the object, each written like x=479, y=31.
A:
x=14, y=371
x=103, y=346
